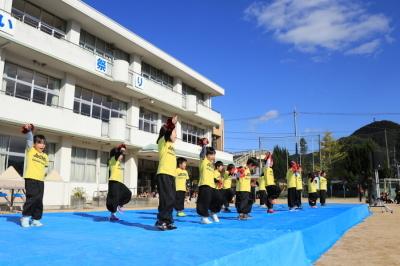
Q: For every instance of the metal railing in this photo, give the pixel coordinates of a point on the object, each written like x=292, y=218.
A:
x=36, y=23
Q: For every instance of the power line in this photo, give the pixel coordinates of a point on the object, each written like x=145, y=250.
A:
x=321, y=114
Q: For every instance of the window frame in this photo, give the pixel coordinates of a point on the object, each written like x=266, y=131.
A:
x=33, y=87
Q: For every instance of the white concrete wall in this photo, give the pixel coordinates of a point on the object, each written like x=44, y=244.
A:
x=62, y=120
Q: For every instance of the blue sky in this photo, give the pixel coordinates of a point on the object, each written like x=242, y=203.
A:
x=335, y=56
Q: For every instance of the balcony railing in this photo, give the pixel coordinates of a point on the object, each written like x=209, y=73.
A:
x=36, y=23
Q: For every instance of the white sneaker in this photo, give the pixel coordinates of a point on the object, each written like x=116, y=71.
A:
x=25, y=221
x=36, y=223
x=205, y=220
x=215, y=217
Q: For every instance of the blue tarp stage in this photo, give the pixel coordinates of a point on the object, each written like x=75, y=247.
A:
x=88, y=238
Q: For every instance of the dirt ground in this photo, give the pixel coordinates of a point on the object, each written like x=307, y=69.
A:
x=375, y=241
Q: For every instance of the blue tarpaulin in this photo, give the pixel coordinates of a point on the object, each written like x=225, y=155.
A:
x=88, y=238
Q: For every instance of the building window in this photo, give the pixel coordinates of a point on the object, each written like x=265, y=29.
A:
x=98, y=106
x=51, y=152
x=148, y=120
x=187, y=90
x=83, y=165
x=104, y=172
x=39, y=18
x=12, y=153
x=96, y=45
x=191, y=134
x=30, y=85
x=157, y=75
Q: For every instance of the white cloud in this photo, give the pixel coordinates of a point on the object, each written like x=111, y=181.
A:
x=314, y=26
x=272, y=114
x=366, y=48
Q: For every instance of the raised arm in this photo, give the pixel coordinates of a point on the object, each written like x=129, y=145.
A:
x=27, y=130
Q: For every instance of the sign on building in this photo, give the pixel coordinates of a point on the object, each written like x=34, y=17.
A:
x=138, y=81
x=7, y=23
x=101, y=64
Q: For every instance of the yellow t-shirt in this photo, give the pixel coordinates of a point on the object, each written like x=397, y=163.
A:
x=227, y=181
x=36, y=162
x=291, y=179
x=299, y=182
x=167, y=163
x=116, y=170
x=269, y=176
x=261, y=183
x=180, y=179
x=312, y=187
x=245, y=182
x=207, y=173
x=217, y=175
x=323, y=183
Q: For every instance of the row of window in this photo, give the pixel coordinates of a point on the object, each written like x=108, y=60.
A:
x=98, y=106
x=39, y=18
x=30, y=85
x=148, y=121
x=51, y=24
x=187, y=90
x=100, y=47
x=157, y=75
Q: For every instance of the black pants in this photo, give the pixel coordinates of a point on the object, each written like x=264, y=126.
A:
x=273, y=192
x=180, y=200
x=291, y=197
x=118, y=195
x=166, y=201
x=228, y=196
x=243, y=202
x=322, y=197
x=298, y=198
x=209, y=199
x=312, y=199
x=262, y=195
x=34, y=199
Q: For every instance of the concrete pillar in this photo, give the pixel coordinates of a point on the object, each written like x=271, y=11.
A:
x=2, y=64
x=132, y=115
x=207, y=101
x=63, y=158
x=131, y=171
x=6, y=5
x=73, y=31
x=67, y=92
x=178, y=85
x=135, y=63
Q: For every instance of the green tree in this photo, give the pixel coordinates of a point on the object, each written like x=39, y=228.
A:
x=331, y=153
x=280, y=156
x=303, y=146
x=358, y=161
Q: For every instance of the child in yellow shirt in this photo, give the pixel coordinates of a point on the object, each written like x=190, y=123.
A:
x=166, y=175
x=227, y=186
x=181, y=178
x=118, y=194
x=35, y=169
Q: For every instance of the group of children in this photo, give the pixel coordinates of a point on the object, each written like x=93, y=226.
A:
x=316, y=183
x=215, y=190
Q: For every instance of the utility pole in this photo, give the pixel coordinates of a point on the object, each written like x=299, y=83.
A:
x=387, y=151
x=320, y=153
x=295, y=133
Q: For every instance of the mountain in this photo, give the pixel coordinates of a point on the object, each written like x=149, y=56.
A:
x=376, y=132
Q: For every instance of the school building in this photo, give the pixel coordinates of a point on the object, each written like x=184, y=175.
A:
x=87, y=84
